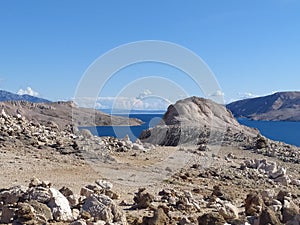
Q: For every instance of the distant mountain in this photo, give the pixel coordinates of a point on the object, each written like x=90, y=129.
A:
x=8, y=96
x=281, y=106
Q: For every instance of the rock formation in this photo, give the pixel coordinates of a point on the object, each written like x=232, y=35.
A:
x=196, y=120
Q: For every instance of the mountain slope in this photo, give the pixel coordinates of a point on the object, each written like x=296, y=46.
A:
x=64, y=113
x=281, y=106
x=8, y=96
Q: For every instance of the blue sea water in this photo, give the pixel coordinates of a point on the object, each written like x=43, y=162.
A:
x=150, y=120
x=280, y=131
x=285, y=131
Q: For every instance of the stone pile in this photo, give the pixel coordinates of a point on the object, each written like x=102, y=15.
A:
x=41, y=204
x=18, y=131
x=271, y=170
x=267, y=207
x=280, y=150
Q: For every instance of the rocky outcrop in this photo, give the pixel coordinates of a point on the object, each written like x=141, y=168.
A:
x=196, y=120
x=281, y=106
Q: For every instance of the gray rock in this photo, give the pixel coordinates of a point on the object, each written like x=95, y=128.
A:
x=42, y=210
x=103, y=208
x=159, y=218
x=79, y=222
x=12, y=195
x=39, y=194
x=142, y=199
x=8, y=213
x=253, y=204
x=289, y=210
x=212, y=218
x=268, y=217
x=294, y=221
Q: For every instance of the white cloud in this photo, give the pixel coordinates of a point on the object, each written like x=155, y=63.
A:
x=124, y=103
x=218, y=93
x=144, y=94
x=247, y=95
x=28, y=91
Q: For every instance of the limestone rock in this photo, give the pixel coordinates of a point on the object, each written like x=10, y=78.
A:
x=229, y=211
x=101, y=207
x=59, y=206
x=192, y=121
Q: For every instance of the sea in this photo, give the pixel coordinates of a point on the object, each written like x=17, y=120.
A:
x=288, y=132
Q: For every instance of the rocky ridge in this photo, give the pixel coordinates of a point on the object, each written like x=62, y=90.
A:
x=64, y=113
x=281, y=106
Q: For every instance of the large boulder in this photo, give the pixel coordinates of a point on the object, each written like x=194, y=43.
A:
x=59, y=206
x=101, y=207
x=195, y=120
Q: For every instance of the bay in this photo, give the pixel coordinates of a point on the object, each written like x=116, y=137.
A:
x=288, y=132
x=284, y=131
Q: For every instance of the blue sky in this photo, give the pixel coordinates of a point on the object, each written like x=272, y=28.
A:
x=253, y=47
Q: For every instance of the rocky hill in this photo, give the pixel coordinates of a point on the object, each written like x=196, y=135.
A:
x=196, y=120
x=63, y=114
x=8, y=96
x=281, y=106
x=136, y=184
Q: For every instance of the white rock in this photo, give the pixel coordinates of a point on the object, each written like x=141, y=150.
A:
x=295, y=182
x=104, y=184
x=280, y=172
x=59, y=206
x=100, y=222
x=3, y=114
x=284, y=180
x=138, y=147
x=229, y=211
x=138, y=141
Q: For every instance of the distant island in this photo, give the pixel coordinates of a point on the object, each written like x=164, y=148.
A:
x=281, y=106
